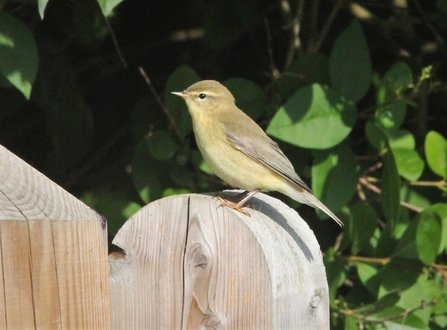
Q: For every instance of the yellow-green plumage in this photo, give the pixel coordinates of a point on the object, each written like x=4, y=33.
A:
x=237, y=149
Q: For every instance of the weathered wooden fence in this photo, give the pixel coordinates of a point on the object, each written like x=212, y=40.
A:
x=186, y=263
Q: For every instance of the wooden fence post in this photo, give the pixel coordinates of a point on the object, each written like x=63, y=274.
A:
x=186, y=263
x=53, y=254
x=189, y=263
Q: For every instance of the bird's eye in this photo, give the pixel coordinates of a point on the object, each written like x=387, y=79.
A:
x=202, y=96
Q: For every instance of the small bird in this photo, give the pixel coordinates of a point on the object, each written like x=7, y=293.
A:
x=239, y=151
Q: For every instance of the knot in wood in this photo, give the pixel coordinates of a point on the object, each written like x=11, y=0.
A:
x=199, y=258
x=315, y=301
x=211, y=322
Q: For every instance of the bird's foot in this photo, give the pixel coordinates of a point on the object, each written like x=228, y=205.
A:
x=232, y=205
x=237, y=201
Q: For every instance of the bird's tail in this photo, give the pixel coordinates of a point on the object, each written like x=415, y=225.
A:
x=306, y=197
x=316, y=203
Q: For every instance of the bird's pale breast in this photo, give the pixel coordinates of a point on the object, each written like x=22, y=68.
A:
x=230, y=164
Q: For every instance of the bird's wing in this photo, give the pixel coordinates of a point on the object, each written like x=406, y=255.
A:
x=270, y=155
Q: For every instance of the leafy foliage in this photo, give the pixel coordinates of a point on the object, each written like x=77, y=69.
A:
x=357, y=104
x=18, y=55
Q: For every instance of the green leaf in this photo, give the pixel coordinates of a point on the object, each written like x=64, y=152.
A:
x=439, y=320
x=398, y=79
x=108, y=5
x=350, y=64
x=428, y=236
x=351, y=323
x=314, y=117
x=42, y=4
x=402, y=139
x=175, y=191
x=148, y=176
x=406, y=246
x=392, y=108
x=409, y=164
x=390, y=196
x=436, y=153
x=197, y=158
x=305, y=70
x=440, y=210
x=424, y=290
x=336, y=275
x=386, y=301
x=383, y=303
x=161, y=145
x=250, y=98
x=334, y=176
x=368, y=276
x=414, y=196
x=18, y=54
x=90, y=28
x=362, y=226
x=384, y=243
x=375, y=136
x=391, y=116
x=398, y=277
x=116, y=206
x=410, y=318
x=178, y=81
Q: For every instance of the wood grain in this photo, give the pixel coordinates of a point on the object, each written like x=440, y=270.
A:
x=53, y=254
x=189, y=263
x=186, y=263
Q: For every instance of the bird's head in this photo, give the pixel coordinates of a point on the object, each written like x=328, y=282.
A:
x=206, y=95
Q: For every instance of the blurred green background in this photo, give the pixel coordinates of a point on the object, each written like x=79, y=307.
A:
x=355, y=93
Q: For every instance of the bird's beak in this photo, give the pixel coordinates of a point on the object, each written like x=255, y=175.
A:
x=183, y=94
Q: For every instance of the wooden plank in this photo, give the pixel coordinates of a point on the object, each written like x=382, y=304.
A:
x=43, y=275
x=300, y=288
x=81, y=285
x=227, y=278
x=26, y=194
x=146, y=285
x=17, y=284
x=2, y=289
x=189, y=263
x=53, y=252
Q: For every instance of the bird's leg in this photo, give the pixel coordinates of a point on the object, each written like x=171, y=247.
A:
x=238, y=205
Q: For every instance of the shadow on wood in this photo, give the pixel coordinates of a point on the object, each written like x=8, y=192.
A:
x=189, y=263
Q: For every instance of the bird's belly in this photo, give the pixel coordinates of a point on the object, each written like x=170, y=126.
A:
x=238, y=169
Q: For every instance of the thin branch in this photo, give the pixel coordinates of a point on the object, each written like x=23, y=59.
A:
x=439, y=268
x=411, y=207
x=382, y=261
x=364, y=181
x=327, y=26
x=438, y=184
x=273, y=70
x=354, y=259
x=428, y=23
x=115, y=43
x=161, y=104
x=295, y=41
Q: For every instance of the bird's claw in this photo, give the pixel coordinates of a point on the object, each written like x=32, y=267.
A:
x=231, y=205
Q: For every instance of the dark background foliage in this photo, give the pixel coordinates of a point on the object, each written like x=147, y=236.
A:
x=354, y=92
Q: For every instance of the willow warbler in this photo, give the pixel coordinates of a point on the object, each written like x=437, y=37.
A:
x=238, y=150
